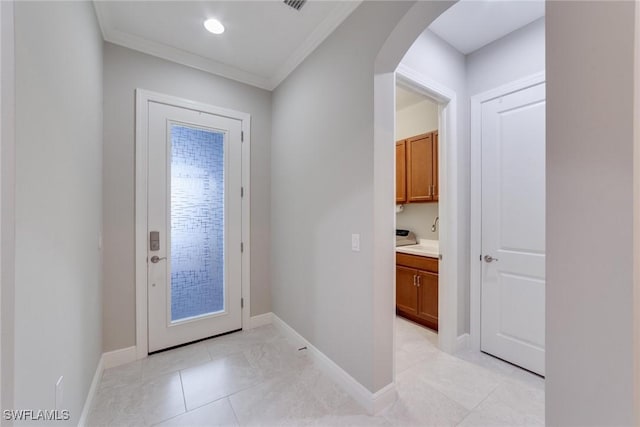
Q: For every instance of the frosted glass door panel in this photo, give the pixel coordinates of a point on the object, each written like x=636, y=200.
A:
x=197, y=222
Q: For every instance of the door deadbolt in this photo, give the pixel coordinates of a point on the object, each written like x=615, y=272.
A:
x=154, y=240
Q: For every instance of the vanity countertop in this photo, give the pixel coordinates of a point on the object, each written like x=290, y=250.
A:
x=425, y=247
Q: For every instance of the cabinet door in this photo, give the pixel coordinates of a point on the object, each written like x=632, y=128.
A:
x=436, y=169
x=420, y=168
x=428, y=298
x=406, y=291
x=401, y=172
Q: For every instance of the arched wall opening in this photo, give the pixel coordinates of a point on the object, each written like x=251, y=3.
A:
x=417, y=19
x=590, y=75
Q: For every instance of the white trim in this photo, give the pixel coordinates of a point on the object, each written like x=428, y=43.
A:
x=246, y=217
x=321, y=32
x=636, y=221
x=107, y=360
x=143, y=97
x=88, y=403
x=111, y=34
x=476, y=195
x=462, y=342
x=448, y=280
x=383, y=398
x=373, y=402
x=259, y=320
x=119, y=357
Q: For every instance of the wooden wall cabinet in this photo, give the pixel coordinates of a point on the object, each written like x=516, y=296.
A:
x=417, y=289
x=417, y=169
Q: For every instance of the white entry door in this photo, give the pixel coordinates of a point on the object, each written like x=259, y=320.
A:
x=513, y=228
x=194, y=225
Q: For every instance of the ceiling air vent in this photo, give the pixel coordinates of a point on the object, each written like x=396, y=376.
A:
x=296, y=4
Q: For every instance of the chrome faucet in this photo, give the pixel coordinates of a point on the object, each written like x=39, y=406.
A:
x=435, y=224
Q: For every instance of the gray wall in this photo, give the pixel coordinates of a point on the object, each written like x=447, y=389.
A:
x=590, y=149
x=416, y=119
x=321, y=189
x=434, y=58
x=124, y=71
x=7, y=215
x=510, y=58
x=58, y=295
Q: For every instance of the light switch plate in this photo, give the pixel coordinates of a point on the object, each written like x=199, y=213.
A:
x=355, y=242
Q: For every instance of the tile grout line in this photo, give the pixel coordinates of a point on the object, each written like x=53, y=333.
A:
x=233, y=410
x=184, y=397
x=479, y=403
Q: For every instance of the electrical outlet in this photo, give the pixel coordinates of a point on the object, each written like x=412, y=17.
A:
x=355, y=242
x=59, y=392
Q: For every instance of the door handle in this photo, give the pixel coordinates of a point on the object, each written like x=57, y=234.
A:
x=489, y=258
x=156, y=259
x=418, y=276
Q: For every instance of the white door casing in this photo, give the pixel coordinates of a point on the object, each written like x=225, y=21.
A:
x=448, y=339
x=513, y=227
x=236, y=127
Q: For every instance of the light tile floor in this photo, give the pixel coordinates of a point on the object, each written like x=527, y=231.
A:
x=258, y=377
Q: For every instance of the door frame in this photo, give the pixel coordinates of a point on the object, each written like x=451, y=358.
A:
x=476, y=195
x=448, y=339
x=143, y=97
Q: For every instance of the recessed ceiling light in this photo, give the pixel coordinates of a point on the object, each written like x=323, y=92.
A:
x=214, y=26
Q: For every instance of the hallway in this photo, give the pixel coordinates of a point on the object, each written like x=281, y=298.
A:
x=259, y=377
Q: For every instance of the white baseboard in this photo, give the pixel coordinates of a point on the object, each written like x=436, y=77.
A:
x=259, y=320
x=92, y=392
x=107, y=360
x=119, y=357
x=384, y=398
x=373, y=402
x=462, y=342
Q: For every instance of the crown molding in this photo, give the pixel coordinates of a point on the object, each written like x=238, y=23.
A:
x=180, y=56
x=185, y=58
x=321, y=32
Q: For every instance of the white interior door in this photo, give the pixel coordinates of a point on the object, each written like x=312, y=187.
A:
x=194, y=225
x=513, y=228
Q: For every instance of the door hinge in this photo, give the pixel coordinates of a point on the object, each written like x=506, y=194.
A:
x=480, y=257
x=241, y=136
x=241, y=247
x=241, y=302
x=241, y=191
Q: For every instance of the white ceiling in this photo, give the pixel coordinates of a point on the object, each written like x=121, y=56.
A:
x=471, y=24
x=264, y=40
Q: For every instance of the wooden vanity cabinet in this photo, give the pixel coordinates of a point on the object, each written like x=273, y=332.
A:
x=417, y=169
x=417, y=289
